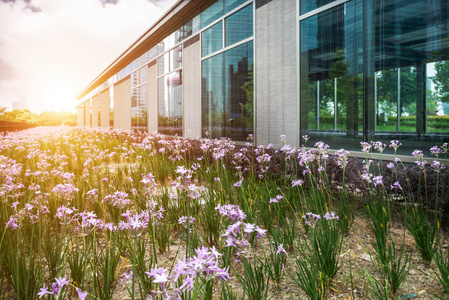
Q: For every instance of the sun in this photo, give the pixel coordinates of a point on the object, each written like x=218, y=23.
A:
x=58, y=95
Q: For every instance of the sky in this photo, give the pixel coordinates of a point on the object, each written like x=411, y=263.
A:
x=51, y=49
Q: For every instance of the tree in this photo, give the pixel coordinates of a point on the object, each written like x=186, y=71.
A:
x=441, y=80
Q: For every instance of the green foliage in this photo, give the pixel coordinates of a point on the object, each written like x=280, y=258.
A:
x=47, y=118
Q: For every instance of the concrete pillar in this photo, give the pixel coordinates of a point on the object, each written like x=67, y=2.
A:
x=87, y=116
x=152, y=98
x=275, y=73
x=122, y=104
x=80, y=115
x=191, y=86
x=95, y=110
x=104, y=108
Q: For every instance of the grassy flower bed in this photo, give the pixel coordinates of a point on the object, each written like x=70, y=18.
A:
x=107, y=214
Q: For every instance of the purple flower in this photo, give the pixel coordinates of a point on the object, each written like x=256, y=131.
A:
x=331, y=216
x=260, y=232
x=44, y=291
x=127, y=276
x=396, y=185
x=238, y=183
x=12, y=223
x=395, y=144
x=276, y=199
x=435, y=150
x=417, y=154
x=81, y=294
x=379, y=146
x=183, y=220
x=437, y=166
x=311, y=219
x=61, y=282
x=223, y=274
x=187, y=284
x=377, y=180
x=366, y=147
x=281, y=249
x=298, y=182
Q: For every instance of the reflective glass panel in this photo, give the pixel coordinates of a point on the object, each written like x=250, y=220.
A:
x=405, y=74
x=239, y=25
x=170, y=104
x=331, y=78
x=163, y=64
x=191, y=27
x=228, y=94
x=409, y=60
x=135, y=79
x=213, y=96
x=239, y=82
x=176, y=58
x=212, y=39
x=231, y=4
x=143, y=75
x=309, y=5
x=152, y=53
x=139, y=108
x=211, y=13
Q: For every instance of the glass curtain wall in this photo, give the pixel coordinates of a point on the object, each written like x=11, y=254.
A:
x=170, y=103
x=139, y=99
x=375, y=70
x=227, y=77
x=169, y=66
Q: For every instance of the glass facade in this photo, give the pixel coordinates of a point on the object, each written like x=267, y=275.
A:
x=239, y=25
x=228, y=94
x=139, y=99
x=212, y=39
x=170, y=104
x=376, y=70
x=309, y=5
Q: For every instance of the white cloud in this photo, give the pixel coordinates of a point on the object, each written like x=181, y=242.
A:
x=68, y=42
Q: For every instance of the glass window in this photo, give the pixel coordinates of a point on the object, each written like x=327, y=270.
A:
x=191, y=27
x=231, y=4
x=163, y=64
x=170, y=104
x=176, y=58
x=309, y=5
x=213, y=96
x=212, y=39
x=143, y=75
x=405, y=74
x=139, y=108
x=135, y=79
x=239, y=26
x=170, y=41
x=331, y=85
x=152, y=53
x=228, y=94
x=410, y=66
x=211, y=13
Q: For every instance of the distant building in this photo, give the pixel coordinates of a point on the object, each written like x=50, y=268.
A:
x=341, y=72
